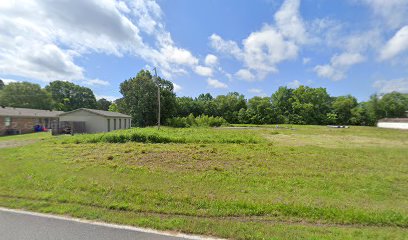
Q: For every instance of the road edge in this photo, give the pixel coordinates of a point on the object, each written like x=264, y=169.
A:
x=109, y=225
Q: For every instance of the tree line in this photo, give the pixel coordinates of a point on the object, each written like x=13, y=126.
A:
x=57, y=95
x=303, y=105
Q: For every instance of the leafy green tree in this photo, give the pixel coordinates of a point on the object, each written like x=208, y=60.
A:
x=103, y=104
x=393, y=105
x=186, y=106
x=25, y=95
x=342, y=107
x=206, y=105
x=260, y=111
x=282, y=105
x=68, y=96
x=361, y=115
x=113, y=107
x=228, y=106
x=140, y=99
x=1, y=84
x=332, y=118
x=310, y=105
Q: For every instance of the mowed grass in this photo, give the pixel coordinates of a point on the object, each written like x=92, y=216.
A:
x=257, y=183
x=33, y=136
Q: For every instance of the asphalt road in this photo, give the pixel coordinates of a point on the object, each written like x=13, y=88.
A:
x=19, y=225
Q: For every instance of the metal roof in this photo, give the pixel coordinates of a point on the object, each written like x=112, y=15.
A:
x=98, y=112
x=395, y=120
x=27, y=112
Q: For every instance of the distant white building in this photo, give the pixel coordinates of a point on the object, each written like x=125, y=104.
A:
x=396, y=123
x=94, y=121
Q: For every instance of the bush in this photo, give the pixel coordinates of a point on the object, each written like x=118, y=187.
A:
x=200, y=121
x=166, y=135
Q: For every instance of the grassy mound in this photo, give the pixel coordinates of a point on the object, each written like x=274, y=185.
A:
x=167, y=135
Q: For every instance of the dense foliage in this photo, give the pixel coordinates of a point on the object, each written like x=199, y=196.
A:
x=103, y=104
x=68, y=96
x=25, y=95
x=140, y=99
x=303, y=105
x=200, y=121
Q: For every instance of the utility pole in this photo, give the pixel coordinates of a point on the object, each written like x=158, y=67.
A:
x=158, y=98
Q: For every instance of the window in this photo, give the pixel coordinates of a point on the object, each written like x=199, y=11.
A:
x=114, y=124
x=7, y=121
x=108, y=125
x=120, y=123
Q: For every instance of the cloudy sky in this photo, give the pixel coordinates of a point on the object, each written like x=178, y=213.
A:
x=356, y=47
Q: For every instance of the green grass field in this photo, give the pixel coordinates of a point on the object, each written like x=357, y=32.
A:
x=312, y=182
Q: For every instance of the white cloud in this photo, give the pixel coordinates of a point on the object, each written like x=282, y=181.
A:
x=228, y=47
x=339, y=65
x=266, y=48
x=214, y=83
x=346, y=59
x=211, y=60
x=109, y=98
x=257, y=92
x=290, y=23
x=294, y=84
x=327, y=71
x=7, y=80
x=387, y=86
x=93, y=82
x=245, y=74
x=177, y=88
x=392, y=12
x=203, y=71
x=147, y=14
x=306, y=60
x=41, y=39
x=396, y=45
x=263, y=50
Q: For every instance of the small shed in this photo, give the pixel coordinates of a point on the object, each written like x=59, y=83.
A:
x=396, y=123
x=94, y=121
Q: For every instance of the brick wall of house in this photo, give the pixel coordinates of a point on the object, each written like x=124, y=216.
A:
x=23, y=124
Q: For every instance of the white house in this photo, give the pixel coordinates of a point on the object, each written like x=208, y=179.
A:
x=396, y=123
x=97, y=120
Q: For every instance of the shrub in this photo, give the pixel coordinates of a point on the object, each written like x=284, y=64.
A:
x=200, y=121
x=167, y=135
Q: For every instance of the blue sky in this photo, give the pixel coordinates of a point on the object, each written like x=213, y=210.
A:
x=356, y=47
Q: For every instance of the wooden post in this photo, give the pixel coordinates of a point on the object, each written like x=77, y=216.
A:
x=158, y=98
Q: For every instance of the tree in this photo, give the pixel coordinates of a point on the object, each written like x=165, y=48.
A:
x=103, y=104
x=68, y=96
x=281, y=104
x=113, y=107
x=393, y=105
x=361, y=115
x=310, y=105
x=186, y=106
x=140, y=98
x=342, y=107
x=205, y=105
x=25, y=95
x=1, y=84
x=228, y=106
x=260, y=111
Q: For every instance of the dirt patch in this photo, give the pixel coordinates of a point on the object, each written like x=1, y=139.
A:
x=16, y=143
